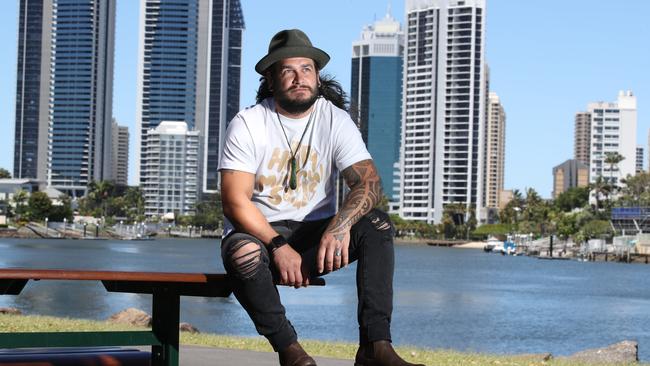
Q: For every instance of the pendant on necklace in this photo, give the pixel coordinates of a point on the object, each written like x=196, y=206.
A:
x=293, y=184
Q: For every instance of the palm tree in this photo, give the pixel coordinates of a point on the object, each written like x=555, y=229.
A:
x=600, y=187
x=613, y=158
x=20, y=199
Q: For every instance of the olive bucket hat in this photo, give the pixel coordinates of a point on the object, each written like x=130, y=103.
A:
x=291, y=43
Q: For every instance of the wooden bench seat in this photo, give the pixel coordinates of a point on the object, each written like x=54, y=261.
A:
x=93, y=356
x=166, y=288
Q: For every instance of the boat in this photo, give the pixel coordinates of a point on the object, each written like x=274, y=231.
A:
x=493, y=245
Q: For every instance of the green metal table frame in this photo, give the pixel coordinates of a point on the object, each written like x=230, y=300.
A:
x=166, y=289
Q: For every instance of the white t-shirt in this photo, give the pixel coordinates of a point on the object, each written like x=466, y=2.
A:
x=255, y=143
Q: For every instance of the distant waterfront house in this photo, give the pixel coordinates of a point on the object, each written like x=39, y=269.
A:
x=9, y=187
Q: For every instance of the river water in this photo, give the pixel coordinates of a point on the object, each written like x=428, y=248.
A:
x=457, y=299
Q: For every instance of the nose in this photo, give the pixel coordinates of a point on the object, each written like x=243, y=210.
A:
x=297, y=78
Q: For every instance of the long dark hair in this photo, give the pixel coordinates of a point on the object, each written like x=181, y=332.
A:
x=329, y=89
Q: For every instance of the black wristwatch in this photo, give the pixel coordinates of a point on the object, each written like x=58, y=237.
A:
x=277, y=242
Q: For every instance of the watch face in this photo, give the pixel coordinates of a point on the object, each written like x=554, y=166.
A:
x=278, y=241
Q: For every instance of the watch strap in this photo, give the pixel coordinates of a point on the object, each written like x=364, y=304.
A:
x=277, y=242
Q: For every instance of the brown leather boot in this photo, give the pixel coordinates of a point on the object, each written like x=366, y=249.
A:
x=294, y=355
x=379, y=353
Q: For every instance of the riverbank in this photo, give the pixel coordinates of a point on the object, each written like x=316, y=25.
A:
x=25, y=233
x=338, y=350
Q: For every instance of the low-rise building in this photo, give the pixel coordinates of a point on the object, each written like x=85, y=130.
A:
x=170, y=170
x=572, y=173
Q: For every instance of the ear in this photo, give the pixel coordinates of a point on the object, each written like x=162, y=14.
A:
x=269, y=79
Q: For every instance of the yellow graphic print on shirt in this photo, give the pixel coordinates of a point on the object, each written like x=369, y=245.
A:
x=309, y=175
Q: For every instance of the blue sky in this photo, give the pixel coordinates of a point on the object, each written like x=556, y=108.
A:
x=547, y=59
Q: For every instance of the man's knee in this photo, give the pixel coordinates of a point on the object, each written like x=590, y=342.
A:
x=377, y=221
x=380, y=220
x=244, y=258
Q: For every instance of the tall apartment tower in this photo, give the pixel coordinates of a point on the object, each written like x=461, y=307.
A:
x=171, y=161
x=120, y=154
x=227, y=26
x=613, y=127
x=190, y=55
x=639, y=159
x=64, y=92
x=376, y=94
x=32, y=89
x=582, y=137
x=494, y=146
x=81, y=94
x=443, y=108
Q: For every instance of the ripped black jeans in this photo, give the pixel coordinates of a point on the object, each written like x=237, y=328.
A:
x=252, y=275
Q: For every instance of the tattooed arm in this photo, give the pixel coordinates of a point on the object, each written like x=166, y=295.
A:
x=365, y=193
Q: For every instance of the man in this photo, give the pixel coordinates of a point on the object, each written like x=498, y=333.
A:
x=278, y=181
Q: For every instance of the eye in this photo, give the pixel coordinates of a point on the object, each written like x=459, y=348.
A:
x=286, y=72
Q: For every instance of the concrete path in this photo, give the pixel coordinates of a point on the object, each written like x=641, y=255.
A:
x=208, y=356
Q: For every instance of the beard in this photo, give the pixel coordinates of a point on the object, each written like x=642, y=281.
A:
x=295, y=105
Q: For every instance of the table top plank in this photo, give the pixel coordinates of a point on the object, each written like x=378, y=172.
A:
x=90, y=275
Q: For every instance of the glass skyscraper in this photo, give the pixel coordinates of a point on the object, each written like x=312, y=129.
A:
x=189, y=72
x=225, y=77
x=64, y=92
x=376, y=95
x=32, y=89
x=81, y=94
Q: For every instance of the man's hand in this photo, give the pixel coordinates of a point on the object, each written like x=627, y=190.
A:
x=289, y=264
x=333, y=251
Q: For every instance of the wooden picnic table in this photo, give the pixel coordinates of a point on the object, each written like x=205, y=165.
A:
x=166, y=288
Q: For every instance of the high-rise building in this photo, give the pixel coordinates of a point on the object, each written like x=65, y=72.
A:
x=494, y=156
x=443, y=107
x=613, y=126
x=64, y=92
x=570, y=174
x=639, y=159
x=32, y=89
x=227, y=26
x=190, y=55
x=170, y=169
x=81, y=94
x=582, y=137
x=376, y=98
x=120, y=154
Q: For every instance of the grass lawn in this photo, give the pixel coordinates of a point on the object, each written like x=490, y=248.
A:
x=23, y=323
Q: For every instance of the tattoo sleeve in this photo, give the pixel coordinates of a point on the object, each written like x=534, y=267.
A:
x=365, y=193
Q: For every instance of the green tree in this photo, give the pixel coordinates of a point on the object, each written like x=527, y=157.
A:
x=484, y=231
x=613, y=158
x=596, y=229
x=575, y=197
x=4, y=174
x=208, y=213
x=134, y=200
x=601, y=190
x=511, y=212
x=39, y=206
x=20, y=199
x=636, y=191
x=62, y=210
x=100, y=200
x=566, y=225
